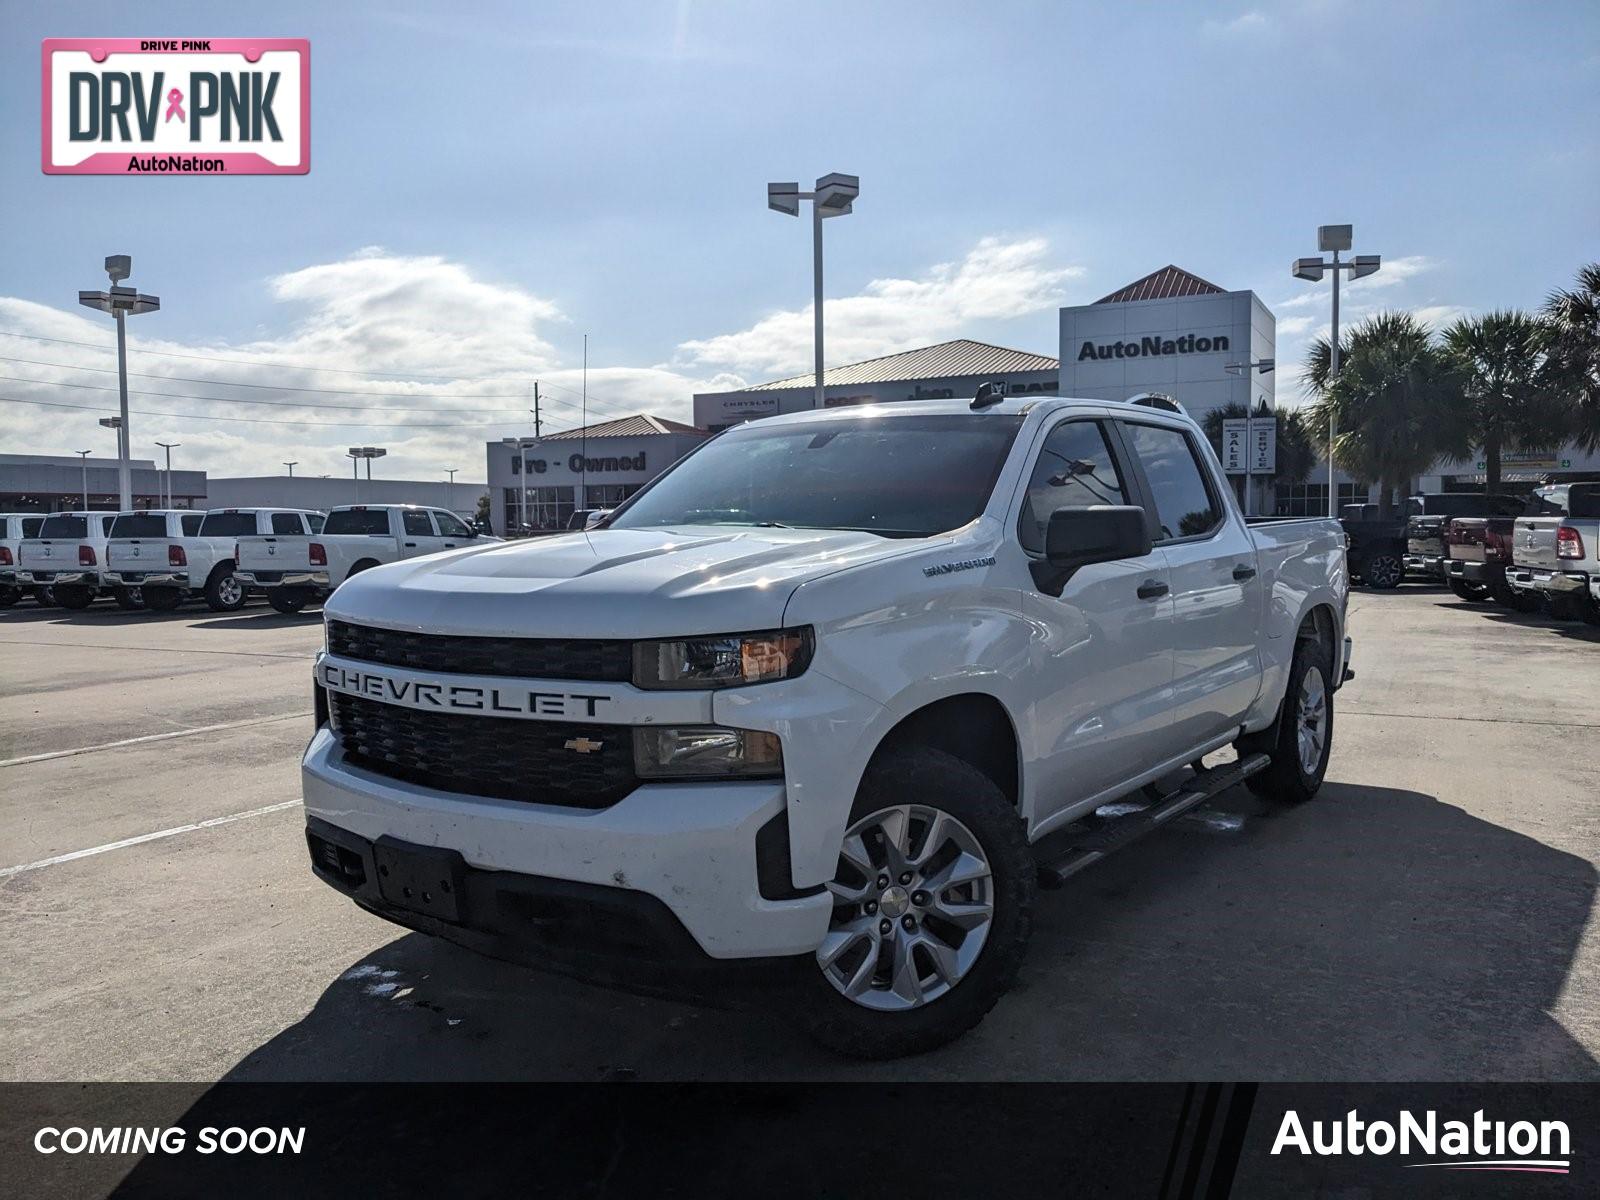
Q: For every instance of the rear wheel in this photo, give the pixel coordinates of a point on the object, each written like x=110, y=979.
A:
x=1504, y=594
x=1566, y=607
x=1384, y=572
x=224, y=592
x=1304, y=735
x=1469, y=591
x=44, y=597
x=285, y=600
x=933, y=906
x=128, y=598
x=73, y=595
x=9, y=595
x=162, y=599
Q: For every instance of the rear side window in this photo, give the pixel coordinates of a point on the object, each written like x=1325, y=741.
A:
x=190, y=523
x=287, y=523
x=357, y=520
x=228, y=525
x=1075, y=470
x=1184, y=504
x=1584, y=502
x=139, y=525
x=30, y=526
x=63, y=526
x=314, y=520
x=416, y=524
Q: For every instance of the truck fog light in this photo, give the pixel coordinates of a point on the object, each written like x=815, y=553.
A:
x=705, y=752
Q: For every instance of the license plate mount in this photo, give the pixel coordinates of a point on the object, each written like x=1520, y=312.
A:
x=420, y=879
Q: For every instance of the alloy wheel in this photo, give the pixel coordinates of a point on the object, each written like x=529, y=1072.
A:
x=229, y=591
x=1311, y=720
x=1384, y=571
x=913, y=905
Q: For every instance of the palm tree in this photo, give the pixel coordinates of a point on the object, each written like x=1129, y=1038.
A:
x=1295, y=456
x=1502, y=367
x=1396, y=401
x=1574, y=320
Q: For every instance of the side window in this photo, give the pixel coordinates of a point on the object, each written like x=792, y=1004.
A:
x=1075, y=470
x=1184, y=504
x=287, y=523
x=416, y=523
x=449, y=524
x=191, y=523
x=315, y=520
x=30, y=525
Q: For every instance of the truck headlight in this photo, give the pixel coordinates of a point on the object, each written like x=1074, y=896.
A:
x=705, y=751
x=722, y=661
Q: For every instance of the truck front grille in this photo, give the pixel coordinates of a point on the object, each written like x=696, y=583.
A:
x=523, y=658
x=536, y=762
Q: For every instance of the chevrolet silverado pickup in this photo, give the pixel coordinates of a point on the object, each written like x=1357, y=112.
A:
x=13, y=528
x=1556, y=551
x=68, y=556
x=819, y=709
x=299, y=570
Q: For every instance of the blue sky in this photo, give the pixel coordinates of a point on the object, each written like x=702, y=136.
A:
x=489, y=182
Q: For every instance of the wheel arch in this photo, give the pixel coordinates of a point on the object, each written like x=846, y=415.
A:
x=972, y=726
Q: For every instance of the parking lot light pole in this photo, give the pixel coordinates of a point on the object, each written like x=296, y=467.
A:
x=121, y=302
x=451, y=471
x=1334, y=238
x=83, y=457
x=1264, y=365
x=116, y=423
x=834, y=196
x=292, y=466
x=169, y=447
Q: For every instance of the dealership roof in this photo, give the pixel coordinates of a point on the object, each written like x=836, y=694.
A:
x=947, y=360
x=1166, y=284
x=640, y=425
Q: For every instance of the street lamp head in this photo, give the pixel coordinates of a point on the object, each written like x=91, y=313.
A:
x=784, y=198
x=97, y=300
x=1334, y=237
x=119, y=266
x=1266, y=365
x=1365, y=264
x=111, y=422
x=836, y=193
x=1308, y=269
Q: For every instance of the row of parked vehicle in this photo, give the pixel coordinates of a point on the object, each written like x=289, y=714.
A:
x=1525, y=552
x=158, y=558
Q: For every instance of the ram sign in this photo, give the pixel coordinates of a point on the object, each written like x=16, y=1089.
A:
x=171, y=106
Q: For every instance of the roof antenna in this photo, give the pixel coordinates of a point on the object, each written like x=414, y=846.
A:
x=988, y=394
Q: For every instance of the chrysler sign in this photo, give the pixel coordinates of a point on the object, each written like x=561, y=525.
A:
x=169, y=106
x=1153, y=347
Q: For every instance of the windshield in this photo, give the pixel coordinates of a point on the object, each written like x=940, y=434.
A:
x=898, y=476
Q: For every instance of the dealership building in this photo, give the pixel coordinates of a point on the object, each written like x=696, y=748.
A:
x=536, y=484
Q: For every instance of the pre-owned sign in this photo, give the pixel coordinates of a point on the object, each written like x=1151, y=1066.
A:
x=169, y=106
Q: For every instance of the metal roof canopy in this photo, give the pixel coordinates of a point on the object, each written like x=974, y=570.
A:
x=946, y=360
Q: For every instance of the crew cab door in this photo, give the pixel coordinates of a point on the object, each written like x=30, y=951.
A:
x=1101, y=659
x=1217, y=595
x=453, y=531
x=417, y=534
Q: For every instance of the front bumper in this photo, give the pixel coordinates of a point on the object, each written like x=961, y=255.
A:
x=58, y=578
x=689, y=846
x=272, y=579
x=1431, y=565
x=1555, y=583
x=147, y=579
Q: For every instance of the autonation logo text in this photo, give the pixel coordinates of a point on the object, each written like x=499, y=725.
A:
x=1476, y=1145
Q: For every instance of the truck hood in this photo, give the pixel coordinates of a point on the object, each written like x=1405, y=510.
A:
x=608, y=583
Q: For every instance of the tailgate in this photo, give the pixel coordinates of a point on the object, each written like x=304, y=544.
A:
x=56, y=554
x=136, y=554
x=1534, y=544
x=1425, y=536
x=288, y=553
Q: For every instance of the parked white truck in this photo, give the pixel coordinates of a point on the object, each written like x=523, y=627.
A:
x=175, y=554
x=68, y=556
x=297, y=571
x=1555, y=550
x=14, y=527
x=824, y=704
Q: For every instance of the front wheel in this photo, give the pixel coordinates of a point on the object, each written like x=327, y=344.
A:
x=1384, y=572
x=1469, y=591
x=286, y=601
x=73, y=595
x=1304, y=737
x=933, y=907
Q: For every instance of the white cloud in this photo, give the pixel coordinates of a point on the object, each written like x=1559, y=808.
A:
x=997, y=280
x=1249, y=22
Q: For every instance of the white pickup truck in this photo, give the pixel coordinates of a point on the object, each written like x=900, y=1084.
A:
x=69, y=556
x=1555, y=550
x=825, y=704
x=13, y=528
x=174, y=554
x=297, y=571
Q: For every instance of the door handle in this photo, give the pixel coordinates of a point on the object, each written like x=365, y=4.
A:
x=1242, y=572
x=412, y=545
x=1152, y=589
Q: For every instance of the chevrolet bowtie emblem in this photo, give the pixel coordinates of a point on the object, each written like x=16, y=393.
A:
x=582, y=745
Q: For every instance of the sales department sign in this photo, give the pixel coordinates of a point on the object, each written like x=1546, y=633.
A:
x=167, y=106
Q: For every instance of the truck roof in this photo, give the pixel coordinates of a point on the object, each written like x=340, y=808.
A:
x=1009, y=406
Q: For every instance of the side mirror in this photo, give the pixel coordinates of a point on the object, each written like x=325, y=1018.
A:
x=1077, y=537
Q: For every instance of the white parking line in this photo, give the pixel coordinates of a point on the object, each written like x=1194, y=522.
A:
x=149, y=737
x=6, y=872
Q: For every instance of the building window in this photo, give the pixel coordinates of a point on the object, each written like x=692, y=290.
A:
x=548, y=509
x=608, y=495
x=1311, y=499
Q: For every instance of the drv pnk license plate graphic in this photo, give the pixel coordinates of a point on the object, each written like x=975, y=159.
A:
x=170, y=106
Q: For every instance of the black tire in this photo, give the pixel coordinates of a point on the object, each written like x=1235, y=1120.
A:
x=1469, y=591
x=73, y=595
x=163, y=599
x=1383, y=572
x=1589, y=610
x=9, y=595
x=1286, y=779
x=1566, y=607
x=1507, y=596
x=933, y=779
x=129, y=599
x=365, y=564
x=286, y=600
x=223, y=592
x=44, y=597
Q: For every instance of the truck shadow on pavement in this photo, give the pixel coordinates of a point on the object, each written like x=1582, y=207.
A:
x=1371, y=934
x=1576, y=630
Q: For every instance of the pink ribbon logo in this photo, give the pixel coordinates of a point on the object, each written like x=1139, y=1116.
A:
x=175, y=106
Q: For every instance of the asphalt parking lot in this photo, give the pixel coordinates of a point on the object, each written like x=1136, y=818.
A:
x=1427, y=917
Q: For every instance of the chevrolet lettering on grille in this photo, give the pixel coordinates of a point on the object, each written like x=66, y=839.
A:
x=509, y=699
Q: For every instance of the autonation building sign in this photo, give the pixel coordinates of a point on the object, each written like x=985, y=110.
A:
x=1169, y=332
